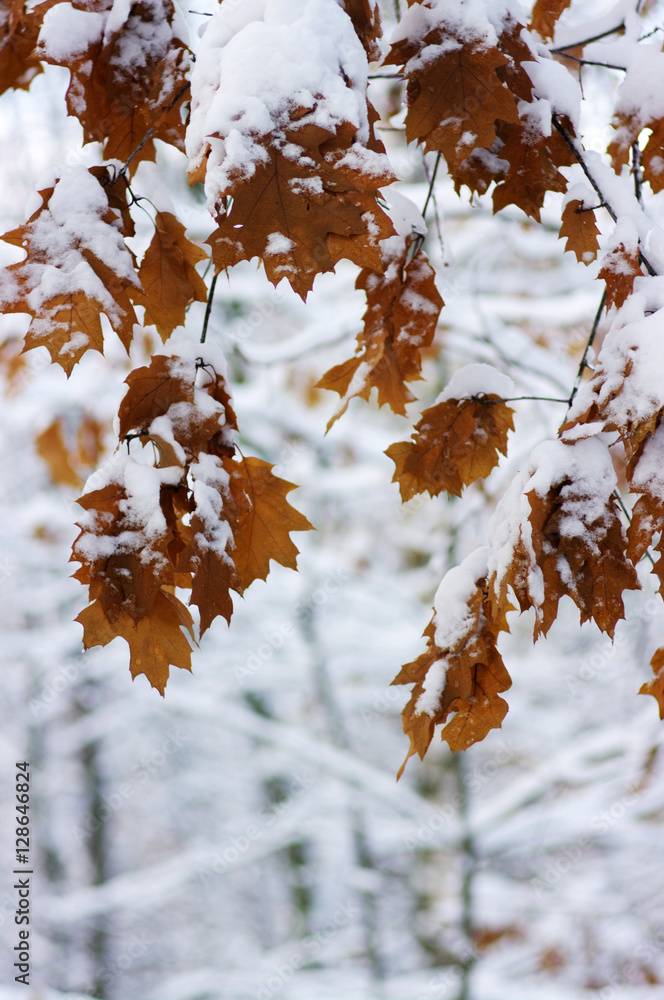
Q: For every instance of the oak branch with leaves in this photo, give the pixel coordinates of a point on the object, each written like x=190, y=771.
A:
x=277, y=125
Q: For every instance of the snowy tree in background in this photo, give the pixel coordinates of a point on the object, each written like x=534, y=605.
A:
x=244, y=837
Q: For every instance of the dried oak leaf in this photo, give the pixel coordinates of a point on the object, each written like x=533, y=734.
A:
x=464, y=676
x=572, y=542
x=655, y=687
x=194, y=399
x=156, y=641
x=210, y=553
x=18, y=36
x=127, y=554
x=545, y=16
x=366, y=20
x=454, y=443
x=619, y=269
x=264, y=519
x=403, y=305
x=128, y=83
x=70, y=276
x=533, y=160
x=71, y=448
x=456, y=96
x=152, y=390
x=51, y=448
x=652, y=157
x=168, y=275
x=302, y=214
x=580, y=230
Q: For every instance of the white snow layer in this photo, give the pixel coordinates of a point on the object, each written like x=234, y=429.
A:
x=477, y=380
x=260, y=62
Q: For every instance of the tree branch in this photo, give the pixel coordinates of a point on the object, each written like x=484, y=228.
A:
x=578, y=155
x=208, y=307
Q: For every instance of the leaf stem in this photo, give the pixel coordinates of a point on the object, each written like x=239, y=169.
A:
x=208, y=307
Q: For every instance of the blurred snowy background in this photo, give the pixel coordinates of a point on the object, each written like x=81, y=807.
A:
x=245, y=838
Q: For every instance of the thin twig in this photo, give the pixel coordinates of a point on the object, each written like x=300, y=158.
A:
x=587, y=41
x=431, y=184
x=592, y=62
x=584, y=360
x=638, y=173
x=208, y=307
x=385, y=76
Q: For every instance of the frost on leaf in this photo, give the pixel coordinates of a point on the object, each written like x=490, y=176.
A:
x=655, y=687
x=128, y=67
x=403, y=305
x=456, y=442
x=455, y=94
x=461, y=671
x=285, y=144
x=580, y=230
x=557, y=532
x=638, y=106
x=619, y=269
x=77, y=267
x=198, y=518
x=625, y=393
x=18, y=36
x=168, y=275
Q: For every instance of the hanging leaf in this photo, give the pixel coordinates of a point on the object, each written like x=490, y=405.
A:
x=655, y=687
x=454, y=443
x=403, y=305
x=579, y=228
x=461, y=671
x=619, y=269
x=168, y=276
x=128, y=71
x=72, y=272
x=558, y=533
x=156, y=641
x=18, y=36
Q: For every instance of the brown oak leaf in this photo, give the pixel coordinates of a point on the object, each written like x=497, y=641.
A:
x=127, y=84
x=18, y=36
x=156, y=641
x=545, y=16
x=572, y=542
x=579, y=228
x=264, y=519
x=168, y=275
x=69, y=276
x=289, y=210
x=454, y=443
x=619, y=269
x=456, y=96
x=464, y=674
x=533, y=160
x=655, y=687
x=403, y=305
x=366, y=21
